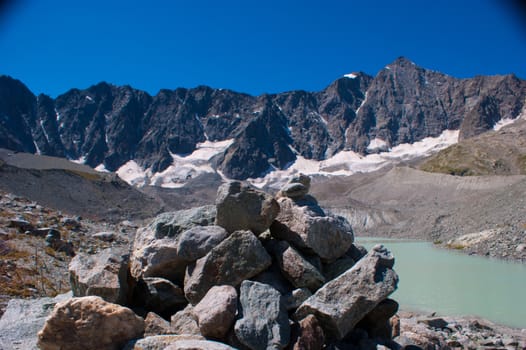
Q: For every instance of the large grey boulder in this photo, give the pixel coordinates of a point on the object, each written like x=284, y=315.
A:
x=297, y=187
x=216, y=312
x=22, y=320
x=294, y=190
x=198, y=345
x=341, y=303
x=305, y=225
x=89, y=323
x=273, y=277
x=264, y=322
x=104, y=274
x=159, y=342
x=198, y=241
x=171, y=224
x=155, y=248
x=300, y=272
x=241, y=207
x=156, y=325
x=185, y=321
x=239, y=257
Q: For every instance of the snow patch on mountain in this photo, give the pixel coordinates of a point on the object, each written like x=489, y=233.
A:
x=81, y=160
x=377, y=144
x=502, y=123
x=182, y=169
x=347, y=163
x=343, y=163
x=132, y=173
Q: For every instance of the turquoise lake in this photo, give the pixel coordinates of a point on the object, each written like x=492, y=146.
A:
x=456, y=284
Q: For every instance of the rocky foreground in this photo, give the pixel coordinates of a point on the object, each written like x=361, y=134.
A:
x=252, y=272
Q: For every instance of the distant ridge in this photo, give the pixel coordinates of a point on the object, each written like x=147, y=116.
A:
x=108, y=126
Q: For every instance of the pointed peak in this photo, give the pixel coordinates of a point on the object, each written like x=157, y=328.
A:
x=401, y=62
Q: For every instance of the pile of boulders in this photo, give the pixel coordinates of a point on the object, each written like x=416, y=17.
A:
x=252, y=272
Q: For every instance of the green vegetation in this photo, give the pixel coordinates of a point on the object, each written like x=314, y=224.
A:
x=521, y=161
x=456, y=246
x=86, y=175
x=471, y=159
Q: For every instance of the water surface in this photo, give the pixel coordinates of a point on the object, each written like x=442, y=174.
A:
x=456, y=284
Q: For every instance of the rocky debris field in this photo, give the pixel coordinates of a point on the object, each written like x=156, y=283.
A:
x=508, y=243
x=431, y=332
x=251, y=272
x=452, y=211
x=254, y=271
x=38, y=243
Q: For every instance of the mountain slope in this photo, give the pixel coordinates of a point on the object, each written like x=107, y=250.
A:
x=73, y=188
x=501, y=152
x=409, y=203
x=108, y=126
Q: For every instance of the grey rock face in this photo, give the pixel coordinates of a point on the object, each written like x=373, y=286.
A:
x=198, y=345
x=216, y=311
x=341, y=303
x=261, y=145
x=23, y=319
x=295, y=267
x=301, y=179
x=17, y=115
x=294, y=190
x=273, y=277
x=185, y=322
x=159, y=342
x=110, y=124
x=241, y=207
x=156, y=325
x=198, y=241
x=264, y=322
x=104, y=274
x=305, y=225
x=239, y=257
x=156, y=258
x=297, y=187
x=172, y=224
x=89, y=323
x=155, y=249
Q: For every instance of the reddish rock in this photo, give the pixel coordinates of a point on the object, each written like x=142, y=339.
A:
x=307, y=335
x=216, y=312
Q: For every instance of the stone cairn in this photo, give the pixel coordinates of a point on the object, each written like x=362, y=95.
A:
x=252, y=272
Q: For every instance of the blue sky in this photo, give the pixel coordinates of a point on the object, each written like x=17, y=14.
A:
x=251, y=46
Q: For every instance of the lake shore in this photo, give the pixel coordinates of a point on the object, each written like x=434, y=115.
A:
x=433, y=279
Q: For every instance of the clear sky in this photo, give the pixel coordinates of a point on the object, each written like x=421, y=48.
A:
x=251, y=46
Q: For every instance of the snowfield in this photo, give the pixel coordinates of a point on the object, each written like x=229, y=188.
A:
x=347, y=163
x=182, y=168
x=343, y=163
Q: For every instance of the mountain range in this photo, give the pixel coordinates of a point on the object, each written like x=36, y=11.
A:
x=107, y=126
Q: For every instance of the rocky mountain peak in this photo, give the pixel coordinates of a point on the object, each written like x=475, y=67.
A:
x=107, y=125
x=17, y=115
